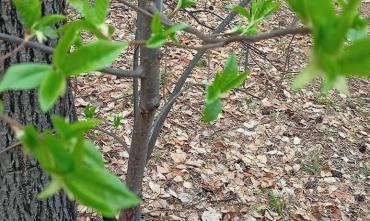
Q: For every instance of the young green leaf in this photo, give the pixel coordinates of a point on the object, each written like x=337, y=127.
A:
x=70, y=33
x=223, y=83
x=81, y=6
x=52, y=187
x=156, y=25
x=30, y=11
x=1, y=107
x=212, y=110
x=89, y=111
x=48, y=20
x=260, y=9
x=93, y=156
x=156, y=41
x=181, y=4
x=358, y=29
x=100, y=190
x=70, y=130
x=175, y=28
x=51, y=88
x=24, y=76
x=34, y=143
x=92, y=57
x=242, y=11
x=355, y=59
x=101, y=11
x=160, y=34
x=117, y=121
x=305, y=77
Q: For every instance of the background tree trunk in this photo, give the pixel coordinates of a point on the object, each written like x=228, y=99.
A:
x=148, y=104
x=21, y=178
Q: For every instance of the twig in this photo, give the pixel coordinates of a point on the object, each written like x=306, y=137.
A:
x=117, y=138
x=16, y=50
x=13, y=124
x=10, y=147
x=49, y=50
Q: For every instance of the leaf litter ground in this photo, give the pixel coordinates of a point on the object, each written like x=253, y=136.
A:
x=274, y=154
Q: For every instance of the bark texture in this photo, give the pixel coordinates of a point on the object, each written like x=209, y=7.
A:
x=21, y=178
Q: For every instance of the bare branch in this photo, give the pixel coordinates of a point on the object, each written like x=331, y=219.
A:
x=10, y=147
x=13, y=124
x=16, y=50
x=158, y=124
x=117, y=138
x=49, y=50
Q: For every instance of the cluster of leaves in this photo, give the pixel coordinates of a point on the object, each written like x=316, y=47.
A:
x=160, y=34
x=225, y=81
x=258, y=11
x=77, y=166
x=51, y=79
x=74, y=163
x=333, y=56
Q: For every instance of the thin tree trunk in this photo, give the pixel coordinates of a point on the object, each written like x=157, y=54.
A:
x=21, y=178
x=148, y=104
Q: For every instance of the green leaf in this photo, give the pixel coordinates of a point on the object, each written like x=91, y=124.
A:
x=95, y=13
x=82, y=6
x=181, y=4
x=24, y=76
x=53, y=86
x=92, y=57
x=48, y=21
x=358, y=29
x=299, y=7
x=93, y=156
x=89, y=111
x=160, y=35
x=305, y=77
x=156, y=25
x=242, y=11
x=53, y=187
x=223, y=83
x=226, y=80
x=45, y=153
x=1, y=107
x=175, y=28
x=63, y=160
x=117, y=121
x=70, y=130
x=355, y=59
x=70, y=32
x=156, y=41
x=30, y=11
x=101, y=11
x=211, y=111
x=261, y=9
x=98, y=189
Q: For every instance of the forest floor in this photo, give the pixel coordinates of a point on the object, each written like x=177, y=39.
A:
x=274, y=154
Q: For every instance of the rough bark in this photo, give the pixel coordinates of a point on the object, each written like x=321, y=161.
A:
x=21, y=178
x=148, y=104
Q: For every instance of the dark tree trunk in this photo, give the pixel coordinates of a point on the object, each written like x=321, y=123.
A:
x=21, y=178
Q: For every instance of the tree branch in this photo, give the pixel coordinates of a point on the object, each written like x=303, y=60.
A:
x=16, y=50
x=158, y=124
x=10, y=147
x=117, y=138
x=49, y=50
